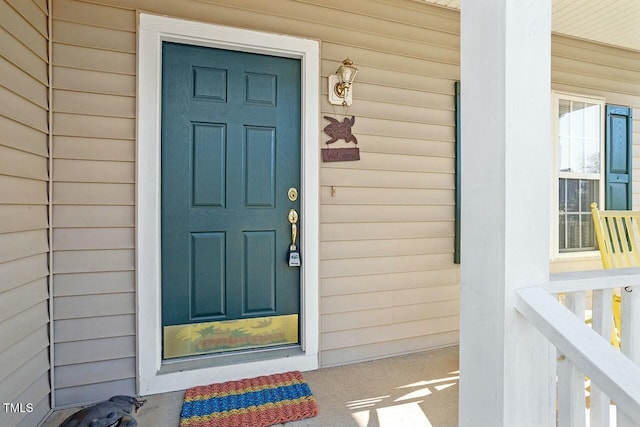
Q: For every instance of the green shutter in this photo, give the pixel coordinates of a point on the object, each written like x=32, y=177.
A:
x=456, y=247
x=619, y=146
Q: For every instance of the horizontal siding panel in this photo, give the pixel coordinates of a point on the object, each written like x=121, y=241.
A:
x=22, y=191
x=363, y=266
x=382, y=248
x=77, y=307
x=93, y=81
x=41, y=409
x=424, y=295
x=368, y=126
x=94, y=37
x=22, y=83
x=389, y=282
x=356, y=320
x=324, y=23
x=96, y=15
x=408, y=146
x=93, y=261
x=93, y=126
x=21, y=110
x=72, y=353
x=93, y=216
x=388, y=348
x=94, y=59
x=24, y=376
x=396, y=162
x=422, y=16
x=94, y=328
x=388, y=111
x=385, y=196
x=385, y=230
x=394, y=79
x=94, y=104
x=592, y=53
x=354, y=303
x=15, y=24
x=93, y=238
x=586, y=81
x=22, y=137
x=390, y=61
x=383, y=93
x=87, y=171
x=16, y=53
x=96, y=372
x=32, y=13
x=360, y=213
x=602, y=70
x=65, y=147
x=22, y=217
x=23, y=324
x=428, y=310
x=18, y=299
x=95, y=392
x=22, y=271
x=22, y=164
x=23, y=350
x=23, y=244
x=363, y=336
x=72, y=193
x=94, y=283
x=385, y=179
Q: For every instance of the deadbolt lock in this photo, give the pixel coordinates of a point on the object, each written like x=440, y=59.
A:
x=293, y=194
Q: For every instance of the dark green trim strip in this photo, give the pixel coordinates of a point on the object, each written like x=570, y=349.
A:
x=456, y=248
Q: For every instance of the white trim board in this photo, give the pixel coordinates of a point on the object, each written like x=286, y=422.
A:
x=153, y=30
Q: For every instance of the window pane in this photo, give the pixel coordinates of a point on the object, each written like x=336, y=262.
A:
x=563, y=158
x=576, y=120
x=563, y=117
x=588, y=233
x=575, y=227
x=577, y=155
x=573, y=231
x=592, y=121
x=573, y=195
x=562, y=232
x=588, y=194
x=592, y=155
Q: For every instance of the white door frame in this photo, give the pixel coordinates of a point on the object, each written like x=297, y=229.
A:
x=153, y=30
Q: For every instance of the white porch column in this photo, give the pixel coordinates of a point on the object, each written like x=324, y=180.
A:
x=506, y=367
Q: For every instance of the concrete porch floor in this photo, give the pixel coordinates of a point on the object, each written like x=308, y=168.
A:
x=417, y=390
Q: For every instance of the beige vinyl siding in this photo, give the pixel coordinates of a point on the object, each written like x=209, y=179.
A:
x=588, y=69
x=93, y=202
x=389, y=226
x=388, y=284
x=24, y=243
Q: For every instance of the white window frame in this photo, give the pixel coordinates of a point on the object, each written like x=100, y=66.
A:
x=556, y=175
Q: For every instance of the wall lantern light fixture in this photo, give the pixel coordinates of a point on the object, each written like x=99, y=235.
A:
x=340, y=92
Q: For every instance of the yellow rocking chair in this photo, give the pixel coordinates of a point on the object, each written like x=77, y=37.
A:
x=618, y=236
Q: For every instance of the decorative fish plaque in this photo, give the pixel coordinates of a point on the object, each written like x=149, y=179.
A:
x=340, y=130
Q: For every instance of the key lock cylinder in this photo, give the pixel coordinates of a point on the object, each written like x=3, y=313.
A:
x=294, y=253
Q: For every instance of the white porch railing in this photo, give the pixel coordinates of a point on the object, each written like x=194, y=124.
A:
x=584, y=350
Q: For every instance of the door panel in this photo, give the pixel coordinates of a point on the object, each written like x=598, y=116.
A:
x=230, y=152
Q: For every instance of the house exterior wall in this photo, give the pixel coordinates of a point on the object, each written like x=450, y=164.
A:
x=24, y=247
x=583, y=68
x=388, y=284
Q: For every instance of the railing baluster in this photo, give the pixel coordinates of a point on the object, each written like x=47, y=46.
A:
x=602, y=323
x=630, y=341
x=571, y=396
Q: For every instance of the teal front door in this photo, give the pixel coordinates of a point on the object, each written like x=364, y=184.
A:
x=230, y=153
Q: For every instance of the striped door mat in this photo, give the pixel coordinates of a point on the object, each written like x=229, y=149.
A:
x=254, y=402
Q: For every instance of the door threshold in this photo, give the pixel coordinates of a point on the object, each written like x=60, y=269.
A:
x=229, y=358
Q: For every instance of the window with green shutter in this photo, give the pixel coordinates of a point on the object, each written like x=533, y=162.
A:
x=592, y=163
